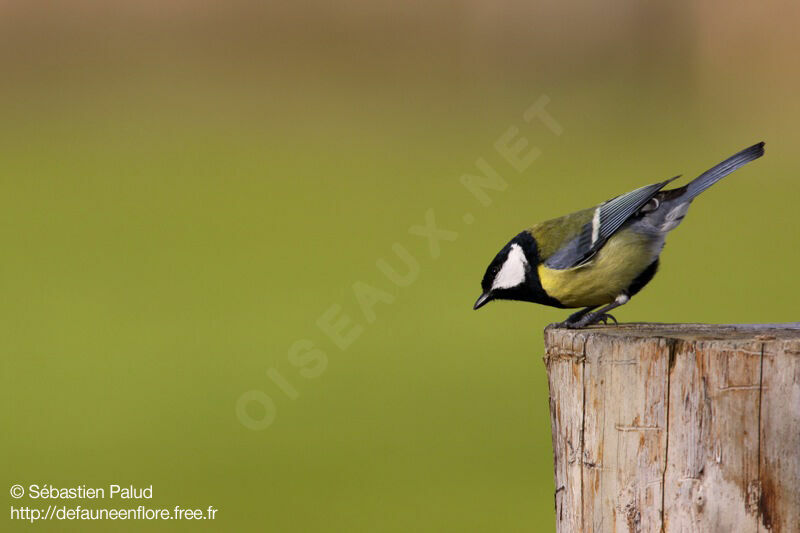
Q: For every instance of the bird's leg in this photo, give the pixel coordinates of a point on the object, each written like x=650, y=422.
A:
x=574, y=317
x=600, y=315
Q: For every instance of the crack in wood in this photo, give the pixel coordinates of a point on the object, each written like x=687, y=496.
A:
x=621, y=427
x=758, y=505
x=734, y=388
x=670, y=366
x=619, y=362
x=583, y=420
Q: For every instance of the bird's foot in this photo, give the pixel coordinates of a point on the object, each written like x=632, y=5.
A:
x=587, y=320
x=605, y=317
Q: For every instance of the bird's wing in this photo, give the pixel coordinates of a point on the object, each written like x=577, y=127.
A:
x=606, y=219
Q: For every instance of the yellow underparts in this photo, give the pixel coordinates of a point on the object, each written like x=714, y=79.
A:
x=626, y=255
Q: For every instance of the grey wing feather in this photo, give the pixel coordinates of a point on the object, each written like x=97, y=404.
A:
x=608, y=218
x=615, y=212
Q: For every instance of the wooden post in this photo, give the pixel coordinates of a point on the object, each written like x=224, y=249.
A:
x=676, y=427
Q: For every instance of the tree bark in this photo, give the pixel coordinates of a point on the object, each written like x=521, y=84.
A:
x=676, y=427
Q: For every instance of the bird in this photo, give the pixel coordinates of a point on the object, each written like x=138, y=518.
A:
x=601, y=256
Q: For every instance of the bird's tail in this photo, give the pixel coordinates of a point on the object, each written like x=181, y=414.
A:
x=671, y=206
x=713, y=175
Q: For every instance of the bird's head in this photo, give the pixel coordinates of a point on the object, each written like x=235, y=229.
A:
x=509, y=275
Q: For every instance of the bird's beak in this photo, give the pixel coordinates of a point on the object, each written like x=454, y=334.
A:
x=483, y=299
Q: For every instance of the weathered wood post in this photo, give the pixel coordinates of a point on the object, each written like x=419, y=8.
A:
x=676, y=427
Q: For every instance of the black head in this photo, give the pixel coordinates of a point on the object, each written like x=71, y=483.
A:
x=512, y=274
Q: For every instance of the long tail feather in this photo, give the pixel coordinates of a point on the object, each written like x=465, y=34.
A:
x=713, y=175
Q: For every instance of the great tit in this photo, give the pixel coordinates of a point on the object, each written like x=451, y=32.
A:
x=601, y=256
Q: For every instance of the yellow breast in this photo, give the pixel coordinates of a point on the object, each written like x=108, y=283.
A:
x=626, y=255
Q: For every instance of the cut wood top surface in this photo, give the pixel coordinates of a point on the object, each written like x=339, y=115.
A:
x=767, y=332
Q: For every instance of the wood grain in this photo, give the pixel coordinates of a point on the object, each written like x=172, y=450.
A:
x=676, y=427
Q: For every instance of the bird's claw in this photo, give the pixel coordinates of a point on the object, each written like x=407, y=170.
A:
x=587, y=320
x=605, y=317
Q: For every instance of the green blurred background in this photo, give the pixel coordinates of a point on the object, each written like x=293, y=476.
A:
x=188, y=186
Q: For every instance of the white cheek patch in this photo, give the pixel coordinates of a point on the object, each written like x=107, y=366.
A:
x=513, y=271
